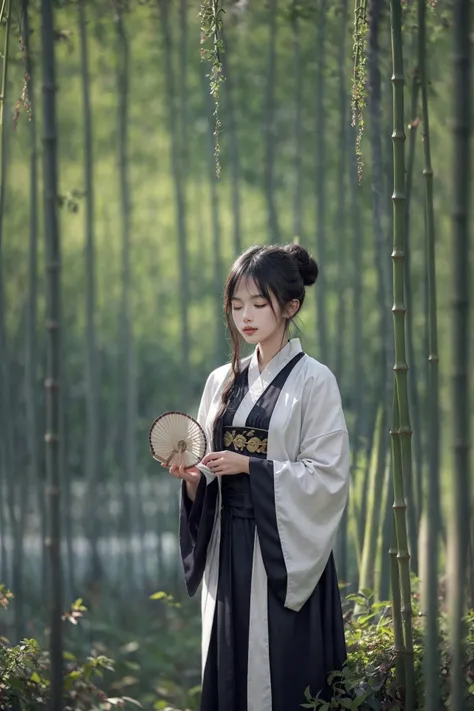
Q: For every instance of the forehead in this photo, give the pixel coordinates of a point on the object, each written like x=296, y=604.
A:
x=246, y=288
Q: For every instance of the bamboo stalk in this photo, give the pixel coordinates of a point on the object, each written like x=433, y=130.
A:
x=413, y=385
x=6, y=479
x=431, y=656
x=180, y=198
x=340, y=224
x=127, y=353
x=298, y=124
x=5, y=11
x=460, y=314
x=91, y=473
x=340, y=217
x=382, y=562
x=375, y=492
x=356, y=334
x=32, y=337
x=273, y=223
x=399, y=645
x=52, y=384
x=2, y=11
x=320, y=182
x=234, y=149
x=401, y=470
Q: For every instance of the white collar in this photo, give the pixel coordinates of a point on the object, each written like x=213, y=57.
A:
x=258, y=382
x=277, y=363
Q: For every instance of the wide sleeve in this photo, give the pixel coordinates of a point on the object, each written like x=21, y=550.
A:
x=196, y=518
x=299, y=504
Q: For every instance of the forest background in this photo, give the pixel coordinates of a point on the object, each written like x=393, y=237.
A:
x=148, y=230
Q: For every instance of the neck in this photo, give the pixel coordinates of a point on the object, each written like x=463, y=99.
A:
x=269, y=348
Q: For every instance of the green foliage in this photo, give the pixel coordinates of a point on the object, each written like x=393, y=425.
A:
x=367, y=681
x=165, y=598
x=160, y=661
x=25, y=675
x=155, y=648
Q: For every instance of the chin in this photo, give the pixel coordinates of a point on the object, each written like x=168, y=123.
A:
x=254, y=338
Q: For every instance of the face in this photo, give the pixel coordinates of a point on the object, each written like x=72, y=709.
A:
x=253, y=315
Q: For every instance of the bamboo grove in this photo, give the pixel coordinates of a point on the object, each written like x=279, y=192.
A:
x=142, y=147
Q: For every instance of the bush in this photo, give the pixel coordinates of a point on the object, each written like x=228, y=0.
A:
x=25, y=679
x=367, y=682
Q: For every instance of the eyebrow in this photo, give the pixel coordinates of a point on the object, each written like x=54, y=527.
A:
x=252, y=296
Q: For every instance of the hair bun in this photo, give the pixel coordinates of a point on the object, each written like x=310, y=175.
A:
x=306, y=264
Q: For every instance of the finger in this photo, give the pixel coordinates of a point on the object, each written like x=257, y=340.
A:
x=211, y=456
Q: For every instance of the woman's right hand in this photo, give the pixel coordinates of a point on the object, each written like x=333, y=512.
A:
x=190, y=474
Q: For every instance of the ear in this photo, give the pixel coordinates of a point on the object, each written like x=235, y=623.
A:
x=292, y=308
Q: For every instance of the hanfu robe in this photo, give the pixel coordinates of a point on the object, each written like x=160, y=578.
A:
x=261, y=543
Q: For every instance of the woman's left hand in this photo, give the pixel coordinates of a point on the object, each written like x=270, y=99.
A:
x=222, y=463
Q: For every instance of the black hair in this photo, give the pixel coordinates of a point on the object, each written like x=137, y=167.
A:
x=281, y=271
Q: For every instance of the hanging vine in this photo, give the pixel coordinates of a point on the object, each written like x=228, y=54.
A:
x=211, y=26
x=359, y=80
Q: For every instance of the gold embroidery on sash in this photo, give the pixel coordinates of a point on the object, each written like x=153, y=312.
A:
x=246, y=440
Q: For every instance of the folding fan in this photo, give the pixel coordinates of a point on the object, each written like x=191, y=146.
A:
x=176, y=438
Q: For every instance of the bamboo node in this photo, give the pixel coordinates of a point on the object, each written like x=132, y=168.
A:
x=51, y=438
x=52, y=325
x=51, y=384
x=399, y=507
x=400, y=364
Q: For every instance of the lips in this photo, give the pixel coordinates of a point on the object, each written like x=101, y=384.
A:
x=249, y=331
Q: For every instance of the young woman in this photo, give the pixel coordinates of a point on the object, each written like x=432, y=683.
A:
x=259, y=515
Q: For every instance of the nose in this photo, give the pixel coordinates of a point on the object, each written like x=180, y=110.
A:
x=246, y=317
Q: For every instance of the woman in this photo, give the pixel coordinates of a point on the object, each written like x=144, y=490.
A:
x=259, y=515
